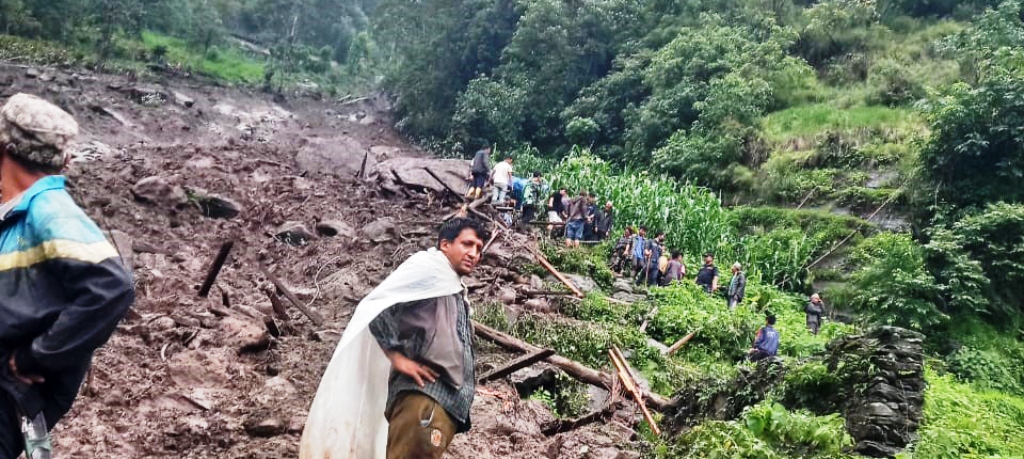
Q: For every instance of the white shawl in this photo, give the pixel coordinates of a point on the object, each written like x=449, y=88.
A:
x=346, y=420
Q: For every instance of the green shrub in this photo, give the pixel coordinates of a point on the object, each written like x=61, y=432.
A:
x=891, y=285
x=585, y=261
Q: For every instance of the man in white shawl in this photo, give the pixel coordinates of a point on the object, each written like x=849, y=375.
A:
x=401, y=382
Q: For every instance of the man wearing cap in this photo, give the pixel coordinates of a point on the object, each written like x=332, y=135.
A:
x=707, y=276
x=64, y=287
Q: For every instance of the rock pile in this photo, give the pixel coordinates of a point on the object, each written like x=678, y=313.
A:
x=886, y=368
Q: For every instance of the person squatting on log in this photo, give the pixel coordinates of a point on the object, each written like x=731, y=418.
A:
x=64, y=286
x=401, y=382
x=766, y=341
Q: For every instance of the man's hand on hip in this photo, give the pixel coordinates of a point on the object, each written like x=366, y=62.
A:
x=27, y=379
x=411, y=368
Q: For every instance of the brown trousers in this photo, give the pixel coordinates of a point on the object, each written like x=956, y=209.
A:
x=418, y=428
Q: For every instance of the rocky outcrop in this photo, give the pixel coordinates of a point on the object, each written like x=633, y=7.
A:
x=720, y=400
x=885, y=369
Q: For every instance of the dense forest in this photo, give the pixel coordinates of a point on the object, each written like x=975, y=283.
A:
x=867, y=149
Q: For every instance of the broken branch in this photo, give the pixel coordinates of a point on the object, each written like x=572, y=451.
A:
x=679, y=344
x=629, y=382
x=313, y=317
x=572, y=368
x=218, y=263
x=516, y=365
x=554, y=272
x=445, y=185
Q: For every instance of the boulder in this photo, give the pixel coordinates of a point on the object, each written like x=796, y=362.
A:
x=32, y=72
x=507, y=295
x=294, y=233
x=332, y=228
x=410, y=172
x=531, y=378
x=92, y=150
x=622, y=285
x=380, y=230
x=183, y=100
x=538, y=305
x=628, y=297
x=147, y=94
x=160, y=191
x=244, y=334
x=341, y=157
x=585, y=284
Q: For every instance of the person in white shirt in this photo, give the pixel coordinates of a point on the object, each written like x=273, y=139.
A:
x=501, y=177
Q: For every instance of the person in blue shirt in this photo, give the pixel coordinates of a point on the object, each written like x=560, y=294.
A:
x=638, y=246
x=766, y=342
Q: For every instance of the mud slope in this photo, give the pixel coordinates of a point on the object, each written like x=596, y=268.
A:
x=188, y=377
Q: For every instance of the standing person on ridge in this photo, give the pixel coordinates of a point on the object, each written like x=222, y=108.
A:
x=604, y=221
x=621, y=252
x=652, y=253
x=737, y=286
x=814, y=310
x=64, y=286
x=577, y=219
x=638, y=246
x=588, y=225
x=402, y=378
x=501, y=177
x=480, y=170
x=533, y=197
x=707, y=276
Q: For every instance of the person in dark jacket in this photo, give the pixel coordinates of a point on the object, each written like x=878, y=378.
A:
x=707, y=275
x=604, y=221
x=675, y=270
x=621, y=252
x=814, y=310
x=65, y=288
x=737, y=286
x=480, y=171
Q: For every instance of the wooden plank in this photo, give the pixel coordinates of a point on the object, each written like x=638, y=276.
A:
x=313, y=317
x=218, y=263
x=551, y=269
x=516, y=365
x=679, y=344
x=572, y=368
x=629, y=382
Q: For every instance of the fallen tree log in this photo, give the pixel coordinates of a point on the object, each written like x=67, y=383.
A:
x=679, y=344
x=572, y=368
x=632, y=388
x=516, y=365
x=554, y=272
x=313, y=317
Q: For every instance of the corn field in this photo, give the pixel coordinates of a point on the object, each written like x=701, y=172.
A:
x=692, y=218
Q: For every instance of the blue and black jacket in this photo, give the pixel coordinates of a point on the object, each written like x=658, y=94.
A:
x=63, y=290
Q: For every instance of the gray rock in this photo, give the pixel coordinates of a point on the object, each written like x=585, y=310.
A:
x=622, y=285
x=532, y=378
x=381, y=230
x=657, y=345
x=585, y=284
x=294, y=233
x=536, y=283
x=32, y=72
x=507, y=295
x=341, y=157
x=538, y=304
x=160, y=191
x=410, y=172
x=629, y=297
x=335, y=228
x=183, y=100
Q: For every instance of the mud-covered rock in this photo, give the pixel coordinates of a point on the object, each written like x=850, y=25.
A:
x=214, y=206
x=410, y=172
x=264, y=427
x=244, y=334
x=160, y=191
x=341, y=157
x=380, y=230
x=335, y=228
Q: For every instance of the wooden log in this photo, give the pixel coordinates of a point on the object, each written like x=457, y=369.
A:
x=516, y=365
x=445, y=185
x=565, y=425
x=218, y=263
x=572, y=368
x=618, y=301
x=679, y=344
x=632, y=388
x=491, y=241
x=275, y=302
x=362, y=168
x=313, y=317
x=554, y=272
x=534, y=293
x=643, y=326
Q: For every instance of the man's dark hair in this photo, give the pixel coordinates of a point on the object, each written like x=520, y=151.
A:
x=451, y=229
x=659, y=234
x=770, y=318
x=643, y=228
x=709, y=254
x=676, y=255
x=537, y=174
